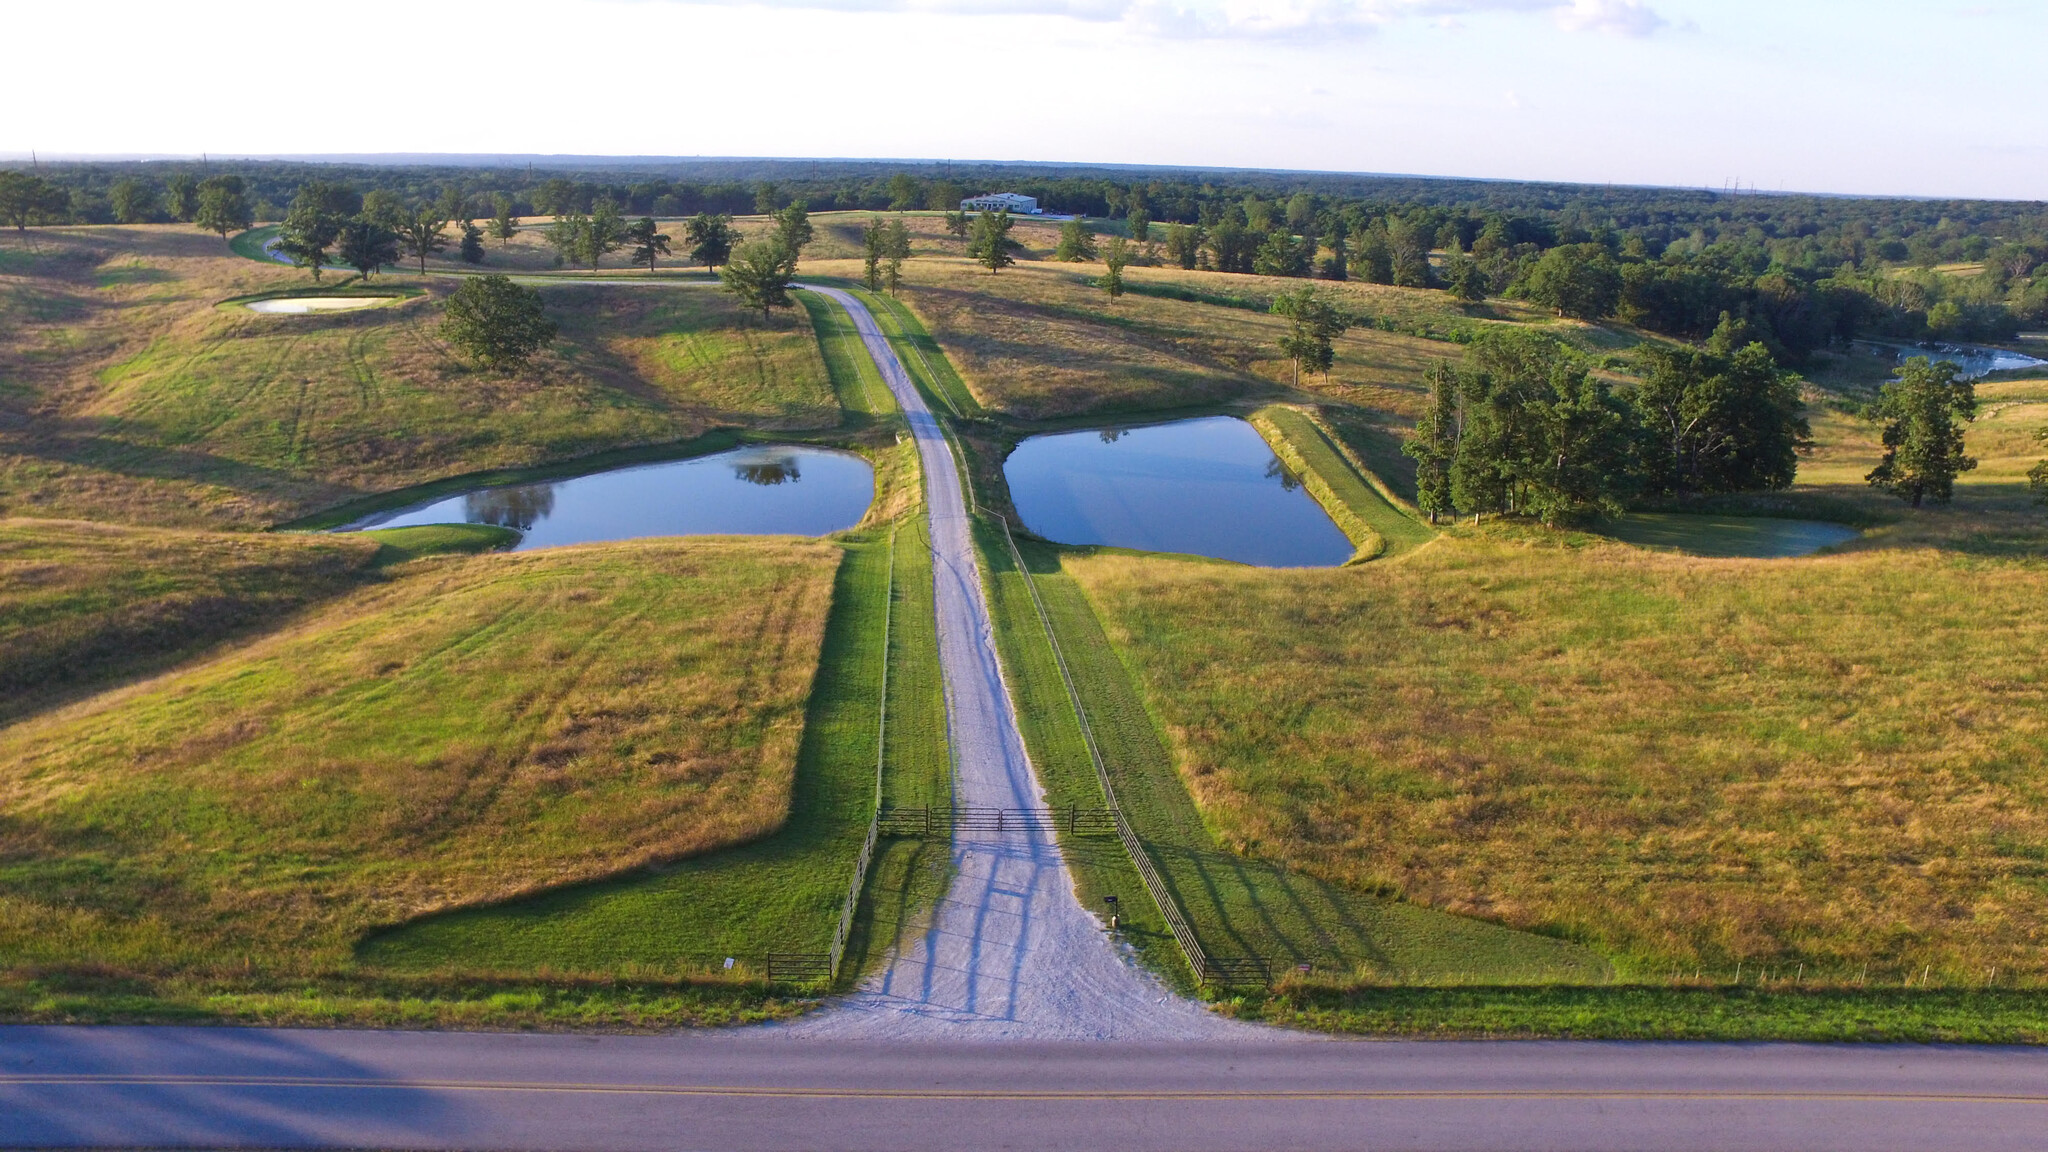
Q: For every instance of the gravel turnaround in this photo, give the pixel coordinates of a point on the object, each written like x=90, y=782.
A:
x=1010, y=951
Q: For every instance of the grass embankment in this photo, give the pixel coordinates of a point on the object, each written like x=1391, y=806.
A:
x=216, y=841
x=1375, y=525
x=1238, y=905
x=83, y=605
x=131, y=397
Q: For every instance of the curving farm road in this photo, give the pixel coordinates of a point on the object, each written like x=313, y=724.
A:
x=1010, y=952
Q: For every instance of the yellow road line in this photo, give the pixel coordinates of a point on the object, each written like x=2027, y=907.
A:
x=107, y=1080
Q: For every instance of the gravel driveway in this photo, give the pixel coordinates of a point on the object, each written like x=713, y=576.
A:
x=1010, y=951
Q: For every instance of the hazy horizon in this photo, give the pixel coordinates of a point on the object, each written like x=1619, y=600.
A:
x=1827, y=97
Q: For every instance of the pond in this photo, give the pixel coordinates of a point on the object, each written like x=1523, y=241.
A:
x=1208, y=486
x=1974, y=361
x=300, y=305
x=1760, y=537
x=754, y=491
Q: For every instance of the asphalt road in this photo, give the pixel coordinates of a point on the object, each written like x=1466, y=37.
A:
x=1010, y=951
x=222, y=1087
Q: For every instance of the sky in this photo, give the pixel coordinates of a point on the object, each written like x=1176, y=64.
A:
x=1928, y=98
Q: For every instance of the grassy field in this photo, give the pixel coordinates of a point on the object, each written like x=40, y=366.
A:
x=83, y=605
x=470, y=730
x=126, y=394
x=1679, y=762
x=1239, y=905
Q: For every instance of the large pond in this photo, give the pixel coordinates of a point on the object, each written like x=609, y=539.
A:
x=1210, y=487
x=753, y=491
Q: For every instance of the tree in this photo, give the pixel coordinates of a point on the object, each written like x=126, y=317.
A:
x=503, y=225
x=874, y=241
x=1716, y=422
x=711, y=239
x=1922, y=413
x=959, y=223
x=1408, y=245
x=1312, y=323
x=895, y=250
x=1538, y=433
x=222, y=206
x=421, y=234
x=498, y=323
x=1433, y=444
x=1373, y=260
x=646, y=241
x=565, y=236
x=1338, y=266
x=385, y=208
x=1077, y=242
x=766, y=199
x=1141, y=224
x=793, y=230
x=1463, y=279
x=759, y=275
x=366, y=245
x=991, y=245
x=1116, y=255
x=1576, y=280
x=454, y=205
x=471, y=248
x=29, y=199
x=603, y=232
x=135, y=202
x=314, y=221
x=1184, y=244
x=905, y=192
x=183, y=197
x=1280, y=255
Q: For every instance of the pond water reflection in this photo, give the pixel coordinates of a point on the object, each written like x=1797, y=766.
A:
x=1208, y=486
x=757, y=490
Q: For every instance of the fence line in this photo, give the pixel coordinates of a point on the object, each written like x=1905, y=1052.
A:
x=936, y=820
x=1198, y=961
x=867, y=848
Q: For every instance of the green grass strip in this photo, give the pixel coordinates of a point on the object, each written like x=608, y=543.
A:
x=921, y=355
x=1375, y=525
x=1984, y=1016
x=854, y=379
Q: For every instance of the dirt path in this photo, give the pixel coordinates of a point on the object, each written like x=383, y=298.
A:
x=1010, y=952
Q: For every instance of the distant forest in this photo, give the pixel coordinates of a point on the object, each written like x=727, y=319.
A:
x=1802, y=272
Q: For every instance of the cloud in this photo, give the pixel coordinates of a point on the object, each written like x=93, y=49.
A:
x=1259, y=19
x=1622, y=17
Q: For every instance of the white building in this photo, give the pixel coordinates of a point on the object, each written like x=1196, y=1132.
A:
x=1009, y=202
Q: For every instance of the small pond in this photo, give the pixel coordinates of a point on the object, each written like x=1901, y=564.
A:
x=300, y=305
x=1974, y=361
x=1209, y=486
x=754, y=491
x=1761, y=537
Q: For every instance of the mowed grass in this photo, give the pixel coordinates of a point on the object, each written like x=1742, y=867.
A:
x=130, y=396
x=680, y=916
x=1834, y=762
x=1367, y=514
x=473, y=729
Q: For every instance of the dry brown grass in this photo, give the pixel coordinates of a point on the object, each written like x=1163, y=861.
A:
x=476, y=729
x=1838, y=761
x=131, y=396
